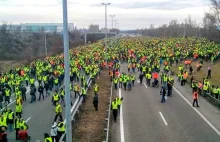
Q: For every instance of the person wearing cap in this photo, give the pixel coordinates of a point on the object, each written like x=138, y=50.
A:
x=47, y=138
x=53, y=132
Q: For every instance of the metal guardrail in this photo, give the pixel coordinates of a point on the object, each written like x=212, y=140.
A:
x=213, y=97
x=108, y=117
x=74, y=109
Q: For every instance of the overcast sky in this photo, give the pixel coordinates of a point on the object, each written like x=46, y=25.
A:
x=131, y=14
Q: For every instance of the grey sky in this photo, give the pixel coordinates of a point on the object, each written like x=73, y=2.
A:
x=131, y=14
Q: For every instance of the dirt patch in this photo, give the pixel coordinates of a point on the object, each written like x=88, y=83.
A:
x=90, y=125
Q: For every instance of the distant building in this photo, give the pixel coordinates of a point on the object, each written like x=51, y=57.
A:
x=94, y=28
x=103, y=30
x=48, y=27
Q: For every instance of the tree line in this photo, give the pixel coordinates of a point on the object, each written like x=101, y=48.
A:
x=209, y=27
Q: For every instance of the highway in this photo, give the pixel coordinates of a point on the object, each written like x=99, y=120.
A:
x=39, y=115
x=145, y=119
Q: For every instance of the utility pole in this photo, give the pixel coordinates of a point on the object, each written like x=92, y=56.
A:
x=67, y=73
x=106, y=4
x=112, y=16
x=115, y=23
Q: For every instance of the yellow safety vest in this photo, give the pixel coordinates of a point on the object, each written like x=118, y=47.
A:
x=10, y=115
x=56, y=97
x=62, y=129
x=114, y=105
x=18, y=108
x=118, y=101
x=58, y=109
x=7, y=92
x=48, y=139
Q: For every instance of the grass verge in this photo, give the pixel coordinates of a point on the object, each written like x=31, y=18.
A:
x=90, y=123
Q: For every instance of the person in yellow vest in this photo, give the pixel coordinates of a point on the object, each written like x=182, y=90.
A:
x=47, y=138
x=18, y=110
x=23, y=124
x=17, y=126
x=10, y=119
x=119, y=102
x=83, y=94
x=7, y=95
x=76, y=89
x=96, y=89
x=58, y=111
x=3, y=121
x=61, y=128
x=116, y=83
x=55, y=98
x=114, y=107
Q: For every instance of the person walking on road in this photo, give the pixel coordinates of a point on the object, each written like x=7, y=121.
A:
x=119, y=101
x=115, y=83
x=10, y=119
x=53, y=132
x=17, y=126
x=96, y=101
x=41, y=92
x=61, y=129
x=32, y=93
x=47, y=138
x=141, y=76
x=55, y=98
x=58, y=111
x=163, y=94
x=23, y=92
x=115, y=109
x=195, y=98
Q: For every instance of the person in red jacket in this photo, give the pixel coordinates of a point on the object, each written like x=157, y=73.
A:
x=195, y=98
x=23, y=135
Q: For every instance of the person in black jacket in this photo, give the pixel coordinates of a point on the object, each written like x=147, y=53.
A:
x=46, y=87
x=41, y=91
x=96, y=101
x=141, y=76
x=32, y=93
x=23, y=92
x=163, y=93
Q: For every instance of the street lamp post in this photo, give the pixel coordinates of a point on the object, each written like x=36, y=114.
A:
x=112, y=16
x=106, y=4
x=67, y=73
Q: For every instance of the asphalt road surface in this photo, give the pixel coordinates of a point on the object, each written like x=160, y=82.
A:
x=145, y=119
x=39, y=115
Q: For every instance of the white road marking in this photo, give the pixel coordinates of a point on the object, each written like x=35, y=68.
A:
x=165, y=122
x=145, y=85
x=121, y=120
x=198, y=112
x=28, y=119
